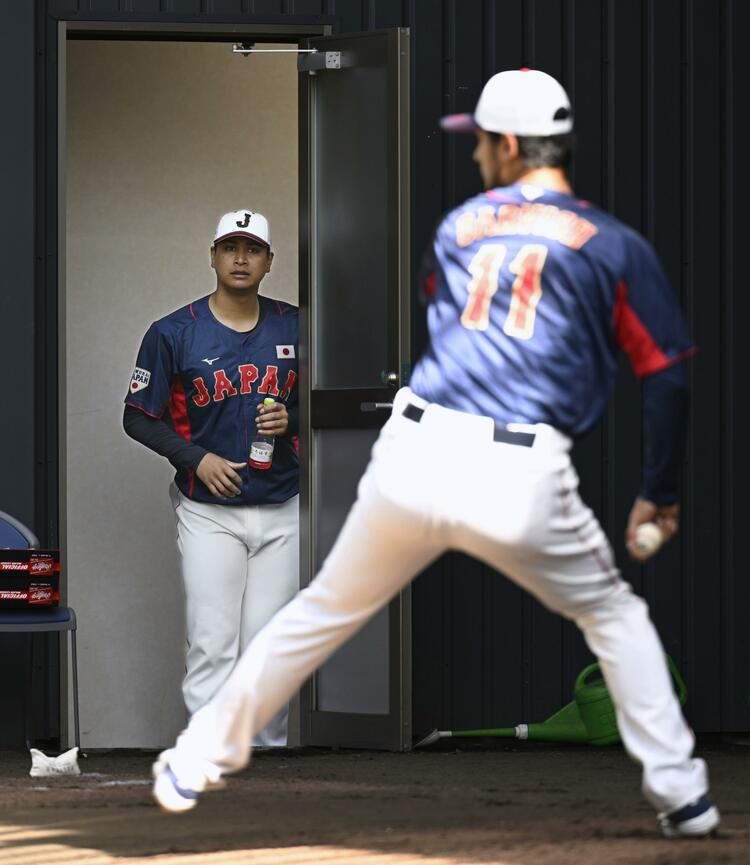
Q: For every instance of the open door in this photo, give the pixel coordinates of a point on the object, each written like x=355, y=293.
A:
x=354, y=348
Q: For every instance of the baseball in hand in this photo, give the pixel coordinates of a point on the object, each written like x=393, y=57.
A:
x=648, y=539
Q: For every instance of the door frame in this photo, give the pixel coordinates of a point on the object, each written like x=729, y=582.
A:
x=400, y=611
x=51, y=200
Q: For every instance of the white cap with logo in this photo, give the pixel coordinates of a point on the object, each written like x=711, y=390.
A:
x=244, y=223
x=519, y=102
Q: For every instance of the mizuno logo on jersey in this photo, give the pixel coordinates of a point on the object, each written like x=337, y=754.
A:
x=140, y=379
x=209, y=361
x=284, y=351
x=222, y=386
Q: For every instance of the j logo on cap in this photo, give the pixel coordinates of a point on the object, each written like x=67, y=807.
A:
x=243, y=223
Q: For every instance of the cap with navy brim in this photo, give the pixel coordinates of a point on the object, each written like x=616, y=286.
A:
x=525, y=102
x=243, y=223
x=458, y=123
x=242, y=234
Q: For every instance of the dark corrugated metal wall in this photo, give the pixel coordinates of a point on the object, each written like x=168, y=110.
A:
x=652, y=84
x=22, y=346
x=653, y=90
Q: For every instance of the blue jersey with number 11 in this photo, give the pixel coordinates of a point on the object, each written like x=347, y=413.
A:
x=532, y=294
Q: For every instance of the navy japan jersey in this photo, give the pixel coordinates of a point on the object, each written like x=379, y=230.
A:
x=206, y=381
x=532, y=295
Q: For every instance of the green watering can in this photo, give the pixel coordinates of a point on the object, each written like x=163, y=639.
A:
x=588, y=718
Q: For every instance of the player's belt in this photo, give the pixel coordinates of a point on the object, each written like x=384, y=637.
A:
x=501, y=433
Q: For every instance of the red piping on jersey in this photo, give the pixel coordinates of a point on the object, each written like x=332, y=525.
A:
x=281, y=311
x=430, y=284
x=633, y=337
x=140, y=408
x=178, y=409
x=192, y=311
x=178, y=412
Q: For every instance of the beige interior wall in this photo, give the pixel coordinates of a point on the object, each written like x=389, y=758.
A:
x=162, y=138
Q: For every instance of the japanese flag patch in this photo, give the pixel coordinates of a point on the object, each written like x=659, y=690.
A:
x=140, y=379
x=284, y=351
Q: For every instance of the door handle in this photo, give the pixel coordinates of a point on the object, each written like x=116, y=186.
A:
x=375, y=406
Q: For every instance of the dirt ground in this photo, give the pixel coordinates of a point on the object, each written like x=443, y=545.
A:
x=518, y=805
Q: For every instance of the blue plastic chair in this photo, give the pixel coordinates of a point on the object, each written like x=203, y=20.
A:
x=15, y=535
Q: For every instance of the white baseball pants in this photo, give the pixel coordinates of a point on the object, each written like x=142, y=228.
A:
x=517, y=509
x=240, y=565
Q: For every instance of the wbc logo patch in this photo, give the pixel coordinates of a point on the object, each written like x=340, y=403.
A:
x=140, y=379
x=284, y=351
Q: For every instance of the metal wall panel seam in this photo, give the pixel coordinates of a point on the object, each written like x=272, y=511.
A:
x=567, y=635
x=529, y=26
x=46, y=314
x=701, y=251
x=489, y=66
x=569, y=67
x=608, y=202
x=648, y=204
x=728, y=575
x=686, y=224
x=648, y=125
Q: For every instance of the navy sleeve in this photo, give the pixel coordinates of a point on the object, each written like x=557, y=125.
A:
x=665, y=409
x=159, y=437
x=151, y=382
x=648, y=322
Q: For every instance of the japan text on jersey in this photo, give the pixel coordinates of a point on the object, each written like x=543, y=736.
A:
x=206, y=381
x=531, y=295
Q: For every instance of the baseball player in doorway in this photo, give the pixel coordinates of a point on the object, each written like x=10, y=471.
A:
x=533, y=292
x=196, y=397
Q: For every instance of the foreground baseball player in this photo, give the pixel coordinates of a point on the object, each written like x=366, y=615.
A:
x=196, y=397
x=533, y=292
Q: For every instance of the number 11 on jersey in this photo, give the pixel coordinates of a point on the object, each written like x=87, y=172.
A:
x=526, y=290
x=485, y=274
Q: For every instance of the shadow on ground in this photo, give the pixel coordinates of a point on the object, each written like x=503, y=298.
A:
x=511, y=806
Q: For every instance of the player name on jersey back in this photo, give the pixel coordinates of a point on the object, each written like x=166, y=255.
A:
x=537, y=220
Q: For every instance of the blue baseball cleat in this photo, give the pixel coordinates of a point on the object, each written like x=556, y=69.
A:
x=169, y=794
x=697, y=819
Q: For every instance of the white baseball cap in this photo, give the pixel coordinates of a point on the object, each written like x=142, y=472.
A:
x=520, y=102
x=244, y=223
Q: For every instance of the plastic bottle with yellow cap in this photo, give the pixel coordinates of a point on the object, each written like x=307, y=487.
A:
x=261, y=449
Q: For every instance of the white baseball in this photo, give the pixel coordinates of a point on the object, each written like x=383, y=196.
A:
x=648, y=539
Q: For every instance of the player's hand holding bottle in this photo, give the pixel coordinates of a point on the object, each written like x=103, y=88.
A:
x=270, y=422
x=273, y=419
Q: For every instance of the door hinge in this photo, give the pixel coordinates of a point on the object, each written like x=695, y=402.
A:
x=313, y=63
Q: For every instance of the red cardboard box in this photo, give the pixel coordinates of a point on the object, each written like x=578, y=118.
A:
x=29, y=579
